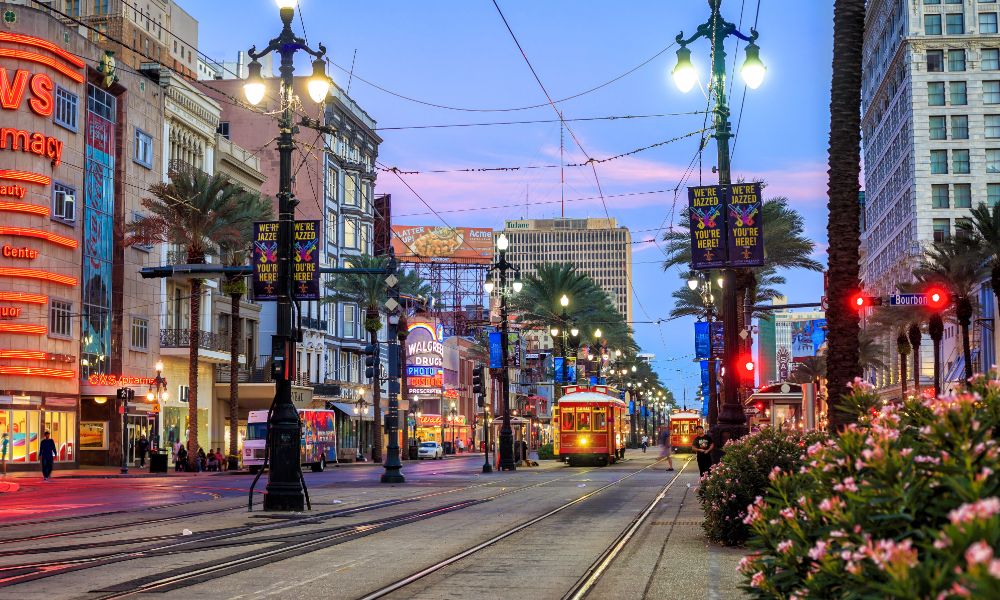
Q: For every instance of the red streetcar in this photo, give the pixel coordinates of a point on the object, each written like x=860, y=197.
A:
x=682, y=428
x=590, y=425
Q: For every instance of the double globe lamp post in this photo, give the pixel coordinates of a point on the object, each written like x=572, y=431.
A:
x=732, y=422
x=284, y=491
x=501, y=267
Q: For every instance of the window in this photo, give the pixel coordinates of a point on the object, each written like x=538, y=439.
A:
x=582, y=419
x=960, y=127
x=60, y=318
x=960, y=162
x=963, y=195
x=223, y=128
x=143, y=149
x=957, y=91
x=952, y=1
x=988, y=22
x=937, y=127
x=991, y=92
x=935, y=61
x=73, y=8
x=350, y=329
x=993, y=126
x=350, y=233
x=350, y=190
x=932, y=1
x=66, y=108
x=932, y=24
x=942, y=229
x=956, y=60
x=63, y=203
x=939, y=162
x=954, y=24
x=993, y=194
x=136, y=217
x=101, y=103
x=140, y=333
x=935, y=93
x=993, y=160
x=100, y=7
x=331, y=228
x=991, y=59
x=939, y=195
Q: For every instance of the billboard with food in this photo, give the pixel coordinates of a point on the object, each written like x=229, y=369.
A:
x=425, y=243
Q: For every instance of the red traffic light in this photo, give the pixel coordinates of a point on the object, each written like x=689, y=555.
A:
x=860, y=301
x=748, y=365
x=937, y=298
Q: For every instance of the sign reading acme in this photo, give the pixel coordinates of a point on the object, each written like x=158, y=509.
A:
x=727, y=228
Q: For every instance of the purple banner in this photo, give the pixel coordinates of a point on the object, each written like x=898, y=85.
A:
x=305, y=261
x=746, y=229
x=265, y=261
x=706, y=207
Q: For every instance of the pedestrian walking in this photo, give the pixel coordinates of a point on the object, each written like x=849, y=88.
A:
x=461, y=445
x=141, y=448
x=665, y=448
x=4, y=445
x=645, y=443
x=219, y=459
x=180, y=462
x=47, y=454
x=703, y=447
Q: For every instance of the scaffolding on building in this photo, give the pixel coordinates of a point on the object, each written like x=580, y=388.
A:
x=457, y=286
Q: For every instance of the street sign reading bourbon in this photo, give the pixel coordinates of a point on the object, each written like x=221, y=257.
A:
x=726, y=226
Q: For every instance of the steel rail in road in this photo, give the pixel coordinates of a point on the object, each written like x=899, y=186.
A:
x=594, y=572
x=402, y=583
x=15, y=574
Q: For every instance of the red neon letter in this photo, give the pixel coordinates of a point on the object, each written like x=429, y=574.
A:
x=11, y=93
x=41, y=88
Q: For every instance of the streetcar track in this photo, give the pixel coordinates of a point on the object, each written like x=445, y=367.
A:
x=16, y=574
x=406, y=581
x=585, y=584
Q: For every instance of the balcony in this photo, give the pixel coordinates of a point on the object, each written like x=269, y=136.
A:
x=182, y=166
x=257, y=372
x=311, y=323
x=212, y=347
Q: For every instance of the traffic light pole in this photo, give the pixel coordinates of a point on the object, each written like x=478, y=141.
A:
x=393, y=465
x=479, y=390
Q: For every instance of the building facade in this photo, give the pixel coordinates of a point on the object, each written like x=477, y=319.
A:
x=931, y=131
x=598, y=247
x=76, y=321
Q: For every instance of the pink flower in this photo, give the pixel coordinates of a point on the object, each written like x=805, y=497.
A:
x=757, y=579
x=979, y=553
x=831, y=504
x=942, y=542
x=746, y=562
x=774, y=473
x=888, y=552
x=785, y=547
x=848, y=485
x=818, y=551
x=788, y=512
x=995, y=568
x=981, y=509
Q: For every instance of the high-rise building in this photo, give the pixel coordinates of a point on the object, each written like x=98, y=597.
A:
x=931, y=134
x=598, y=247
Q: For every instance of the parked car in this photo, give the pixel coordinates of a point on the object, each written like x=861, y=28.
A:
x=430, y=450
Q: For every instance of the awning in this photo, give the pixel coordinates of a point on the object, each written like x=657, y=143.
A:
x=348, y=409
x=957, y=371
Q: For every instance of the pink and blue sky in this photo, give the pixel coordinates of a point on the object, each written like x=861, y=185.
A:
x=458, y=53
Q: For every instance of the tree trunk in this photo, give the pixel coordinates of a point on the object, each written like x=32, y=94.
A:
x=193, y=345
x=376, y=390
x=235, y=333
x=935, y=327
x=903, y=345
x=844, y=209
x=963, y=310
x=913, y=334
x=995, y=283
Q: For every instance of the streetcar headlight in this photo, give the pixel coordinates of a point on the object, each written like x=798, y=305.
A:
x=684, y=439
x=583, y=441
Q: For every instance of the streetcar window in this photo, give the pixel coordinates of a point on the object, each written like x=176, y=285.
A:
x=583, y=420
x=600, y=420
x=567, y=419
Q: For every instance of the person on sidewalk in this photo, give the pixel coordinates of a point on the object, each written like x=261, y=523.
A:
x=141, y=448
x=461, y=445
x=219, y=459
x=47, y=454
x=180, y=462
x=703, y=446
x=645, y=443
x=200, y=460
x=212, y=463
x=4, y=445
x=665, y=448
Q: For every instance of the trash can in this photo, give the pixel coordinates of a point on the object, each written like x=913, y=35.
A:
x=448, y=449
x=412, y=453
x=158, y=462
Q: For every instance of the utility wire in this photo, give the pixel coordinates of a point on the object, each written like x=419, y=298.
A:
x=534, y=121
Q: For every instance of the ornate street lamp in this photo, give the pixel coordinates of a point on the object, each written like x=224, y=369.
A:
x=501, y=267
x=284, y=490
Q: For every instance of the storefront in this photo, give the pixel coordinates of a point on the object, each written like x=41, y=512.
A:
x=434, y=428
x=25, y=419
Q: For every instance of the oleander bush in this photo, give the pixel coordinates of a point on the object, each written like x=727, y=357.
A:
x=545, y=452
x=742, y=475
x=905, y=504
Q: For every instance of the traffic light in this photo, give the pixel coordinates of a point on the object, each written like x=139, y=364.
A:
x=371, y=361
x=860, y=301
x=477, y=384
x=747, y=367
x=937, y=298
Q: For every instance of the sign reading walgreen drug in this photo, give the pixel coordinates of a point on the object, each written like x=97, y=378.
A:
x=726, y=227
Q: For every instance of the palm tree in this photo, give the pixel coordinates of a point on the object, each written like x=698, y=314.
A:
x=810, y=369
x=913, y=336
x=870, y=352
x=538, y=306
x=958, y=267
x=903, y=348
x=982, y=232
x=198, y=212
x=844, y=209
x=370, y=291
x=235, y=252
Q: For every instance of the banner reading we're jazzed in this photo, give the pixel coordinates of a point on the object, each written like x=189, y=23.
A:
x=706, y=207
x=726, y=226
x=746, y=229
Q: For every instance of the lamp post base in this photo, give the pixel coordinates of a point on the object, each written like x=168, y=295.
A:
x=487, y=467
